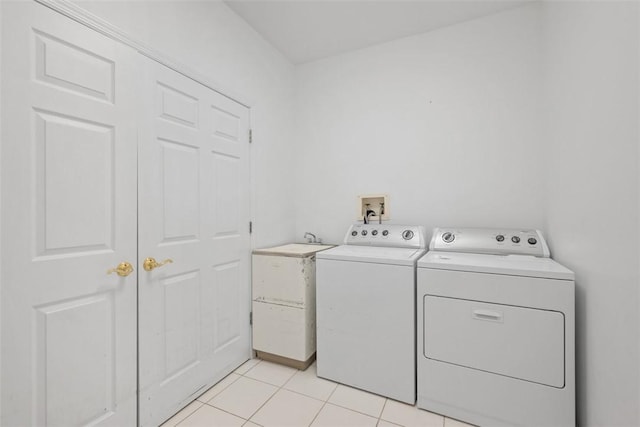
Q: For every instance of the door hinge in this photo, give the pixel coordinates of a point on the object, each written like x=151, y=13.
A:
x=250, y=136
x=251, y=318
x=250, y=227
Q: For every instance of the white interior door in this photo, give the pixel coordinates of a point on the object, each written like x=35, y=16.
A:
x=194, y=210
x=68, y=215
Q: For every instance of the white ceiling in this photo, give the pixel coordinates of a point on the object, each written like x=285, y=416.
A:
x=306, y=30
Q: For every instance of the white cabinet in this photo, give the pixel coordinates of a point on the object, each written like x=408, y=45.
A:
x=284, y=303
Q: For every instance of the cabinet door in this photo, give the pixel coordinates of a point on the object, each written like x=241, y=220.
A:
x=193, y=210
x=68, y=216
x=283, y=280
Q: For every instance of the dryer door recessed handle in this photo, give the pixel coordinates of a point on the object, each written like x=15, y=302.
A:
x=493, y=316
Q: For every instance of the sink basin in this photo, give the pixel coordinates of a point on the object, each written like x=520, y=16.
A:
x=294, y=249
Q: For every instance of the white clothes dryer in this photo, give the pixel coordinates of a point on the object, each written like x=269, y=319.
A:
x=495, y=329
x=365, y=298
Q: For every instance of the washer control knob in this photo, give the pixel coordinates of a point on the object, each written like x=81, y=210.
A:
x=515, y=239
x=407, y=234
x=385, y=232
x=500, y=238
x=374, y=233
x=532, y=241
x=363, y=232
x=448, y=237
x=354, y=233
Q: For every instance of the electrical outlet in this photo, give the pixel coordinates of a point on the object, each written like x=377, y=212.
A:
x=378, y=203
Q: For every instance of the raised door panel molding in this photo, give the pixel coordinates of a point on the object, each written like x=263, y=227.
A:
x=181, y=324
x=226, y=279
x=65, y=226
x=178, y=106
x=180, y=198
x=77, y=13
x=76, y=363
x=225, y=124
x=226, y=185
x=71, y=67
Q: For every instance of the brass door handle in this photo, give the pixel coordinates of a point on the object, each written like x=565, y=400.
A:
x=123, y=269
x=151, y=263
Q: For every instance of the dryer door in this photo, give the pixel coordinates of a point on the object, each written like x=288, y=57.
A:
x=518, y=342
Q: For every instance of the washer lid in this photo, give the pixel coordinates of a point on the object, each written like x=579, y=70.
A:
x=515, y=265
x=373, y=254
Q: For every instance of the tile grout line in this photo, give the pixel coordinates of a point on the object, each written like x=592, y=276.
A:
x=214, y=396
x=224, y=410
x=207, y=402
x=355, y=410
x=316, y=415
x=345, y=407
x=187, y=417
x=265, y=402
x=306, y=395
x=246, y=420
x=303, y=395
x=378, y=419
x=282, y=387
x=270, y=397
x=382, y=412
x=325, y=402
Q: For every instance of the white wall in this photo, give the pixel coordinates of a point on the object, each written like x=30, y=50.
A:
x=592, y=118
x=446, y=123
x=210, y=38
x=528, y=118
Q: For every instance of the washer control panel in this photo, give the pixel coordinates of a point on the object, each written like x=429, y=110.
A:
x=490, y=241
x=399, y=236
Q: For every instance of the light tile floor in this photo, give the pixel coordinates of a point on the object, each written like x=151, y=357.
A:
x=266, y=394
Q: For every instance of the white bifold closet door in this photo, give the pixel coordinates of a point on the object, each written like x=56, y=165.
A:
x=193, y=197
x=68, y=215
x=108, y=157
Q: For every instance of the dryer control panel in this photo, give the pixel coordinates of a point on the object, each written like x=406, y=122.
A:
x=397, y=236
x=497, y=241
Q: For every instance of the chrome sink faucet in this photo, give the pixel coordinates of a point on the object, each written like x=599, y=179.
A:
x=311, y=238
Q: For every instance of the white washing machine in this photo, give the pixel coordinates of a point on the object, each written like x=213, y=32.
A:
x=495, y=329
x=365, y=297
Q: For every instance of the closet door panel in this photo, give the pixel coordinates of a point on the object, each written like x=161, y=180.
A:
x=194, y=211
x=68, y=215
